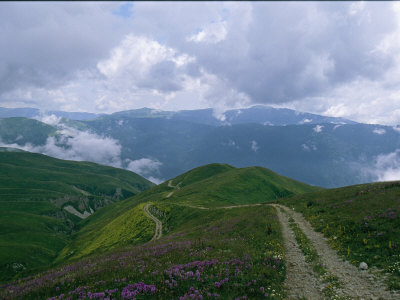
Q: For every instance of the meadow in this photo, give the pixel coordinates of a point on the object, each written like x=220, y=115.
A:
x=231, y=253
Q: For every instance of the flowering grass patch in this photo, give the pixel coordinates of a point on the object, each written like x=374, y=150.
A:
x=361, y=222
x=226, y=254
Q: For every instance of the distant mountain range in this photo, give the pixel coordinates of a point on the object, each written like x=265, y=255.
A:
x=259, y=114
x=28, y=112
x=318, y=150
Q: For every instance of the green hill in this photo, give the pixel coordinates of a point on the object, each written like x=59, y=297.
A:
x=223, y=253
x=21, y=131
x=218, y=185
x=210, y=186
x=42, y=200
x=219, y=240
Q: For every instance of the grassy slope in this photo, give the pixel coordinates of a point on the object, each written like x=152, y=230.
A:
x=362, y=222
x=33, y=225
x=211, y=185
x=221, y=253
x=232, y=186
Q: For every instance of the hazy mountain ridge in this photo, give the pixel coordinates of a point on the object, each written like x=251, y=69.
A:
x=28, y=112
x=160, y=145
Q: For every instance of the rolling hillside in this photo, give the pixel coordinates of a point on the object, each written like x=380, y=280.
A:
x=42, y=200
x=217, y=241
x=210, y=186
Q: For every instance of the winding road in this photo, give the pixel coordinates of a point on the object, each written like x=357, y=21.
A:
x=158, y=231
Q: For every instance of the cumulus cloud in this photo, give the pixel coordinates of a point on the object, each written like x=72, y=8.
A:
x=318, y=128
x=143, y=62
x=339, y=59
x=146, y=167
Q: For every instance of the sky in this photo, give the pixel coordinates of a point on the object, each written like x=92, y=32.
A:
x=336, y=59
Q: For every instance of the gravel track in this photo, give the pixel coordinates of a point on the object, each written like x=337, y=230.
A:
x=356, y=284
x=300, y=282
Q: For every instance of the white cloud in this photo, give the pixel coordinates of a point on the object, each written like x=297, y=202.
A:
x=339, y=60
x=211, y=33
x=136, y=55
x=318, y=128
x=146, y=167
x=396, y=128
x=386, y=166
x=72, y=144
x=49, y=119
x=305, y=121
x=254, y=146
x=379, y=131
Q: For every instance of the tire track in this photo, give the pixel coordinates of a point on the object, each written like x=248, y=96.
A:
x=356, y=284
x=300, y=283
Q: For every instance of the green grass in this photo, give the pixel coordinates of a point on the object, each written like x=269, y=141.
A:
x=219, y=253
x=131, y=228
x=212, y=186
x=34, y=188
x=232, y=186
x=361, y=222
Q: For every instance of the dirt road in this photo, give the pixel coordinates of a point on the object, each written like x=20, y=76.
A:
x=158, y=231
x=354, y=283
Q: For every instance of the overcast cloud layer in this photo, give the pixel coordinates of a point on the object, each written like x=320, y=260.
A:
x=338, y=59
